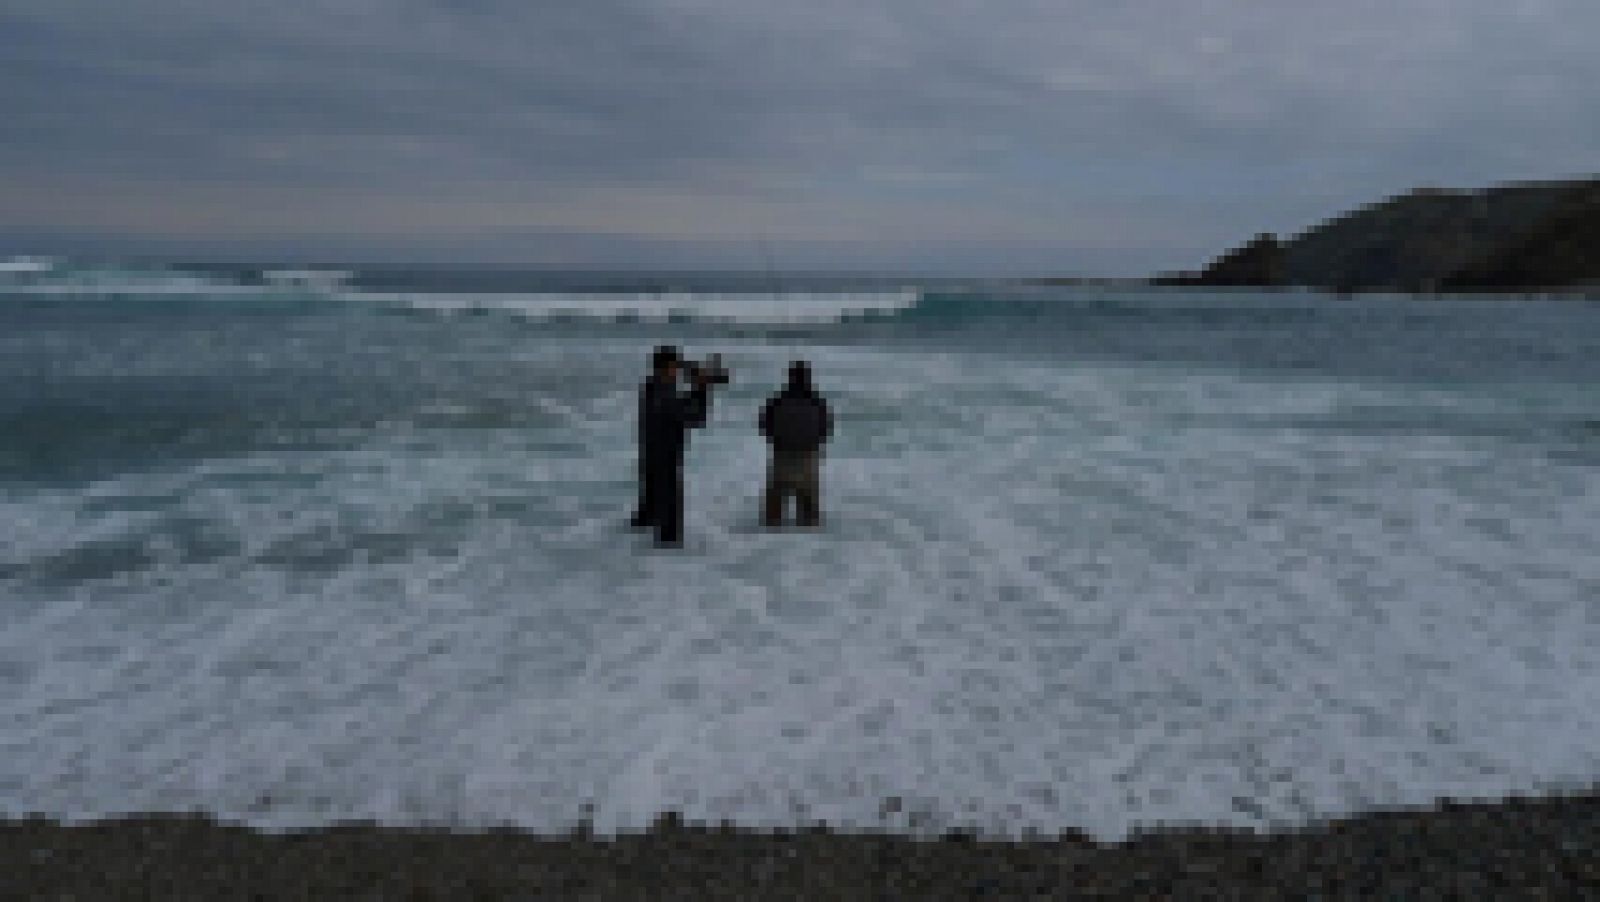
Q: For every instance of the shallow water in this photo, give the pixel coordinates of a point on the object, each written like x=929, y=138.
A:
x=1092, y=560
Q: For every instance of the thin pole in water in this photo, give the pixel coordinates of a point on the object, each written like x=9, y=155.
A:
x=766, y=261
x=774, y=286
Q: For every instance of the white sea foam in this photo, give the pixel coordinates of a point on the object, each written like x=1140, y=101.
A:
x=776, y=307
x=1046, y=596
x=26, y=266
x=747, y=307
x=57, y=280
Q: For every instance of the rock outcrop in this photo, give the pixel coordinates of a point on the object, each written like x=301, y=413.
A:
x=1257, y=264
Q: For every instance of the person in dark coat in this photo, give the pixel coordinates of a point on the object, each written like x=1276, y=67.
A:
x=665, y=418
x=796, y=423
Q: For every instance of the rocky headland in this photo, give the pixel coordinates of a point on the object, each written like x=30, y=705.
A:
x=1517, y=237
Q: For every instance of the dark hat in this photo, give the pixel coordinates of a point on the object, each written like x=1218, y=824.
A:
x=664, y=356
x=799, y=373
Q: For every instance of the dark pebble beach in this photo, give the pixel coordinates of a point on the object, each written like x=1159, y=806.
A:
x=1517, y=848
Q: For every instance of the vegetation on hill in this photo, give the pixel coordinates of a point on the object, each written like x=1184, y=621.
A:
x=1526, y=235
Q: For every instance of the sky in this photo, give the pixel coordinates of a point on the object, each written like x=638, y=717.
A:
x=1022, y=137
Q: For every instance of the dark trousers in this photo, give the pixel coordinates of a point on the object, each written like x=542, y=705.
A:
x=797, y=476
x=661, y=500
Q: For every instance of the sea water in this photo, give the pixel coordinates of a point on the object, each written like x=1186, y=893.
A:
x=295, y=551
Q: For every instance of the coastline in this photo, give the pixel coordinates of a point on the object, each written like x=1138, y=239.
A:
x=1556, y=293
x=1546, y=846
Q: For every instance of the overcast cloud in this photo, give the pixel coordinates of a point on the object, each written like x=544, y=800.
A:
x=1010, y=135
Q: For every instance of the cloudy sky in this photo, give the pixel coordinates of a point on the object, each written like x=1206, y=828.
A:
x=1107, y=137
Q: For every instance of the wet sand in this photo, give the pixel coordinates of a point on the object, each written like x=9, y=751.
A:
x=1538, y=848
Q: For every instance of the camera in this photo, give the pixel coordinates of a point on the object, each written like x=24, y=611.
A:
x=711, y=372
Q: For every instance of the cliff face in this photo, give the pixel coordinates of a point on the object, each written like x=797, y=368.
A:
x=1529, y=234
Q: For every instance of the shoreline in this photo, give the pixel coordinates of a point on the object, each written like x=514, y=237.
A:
x=1548, y=845
x=1525, y=293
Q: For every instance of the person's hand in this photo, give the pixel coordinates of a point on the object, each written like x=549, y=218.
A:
x=712, y=372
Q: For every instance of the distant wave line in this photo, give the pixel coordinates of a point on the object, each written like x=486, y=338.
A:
x=723, y=306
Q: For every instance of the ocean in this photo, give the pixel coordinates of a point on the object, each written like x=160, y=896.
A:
x=300, y=548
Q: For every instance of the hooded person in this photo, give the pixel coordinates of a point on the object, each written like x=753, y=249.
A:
x=796, y=423
x=665, y=418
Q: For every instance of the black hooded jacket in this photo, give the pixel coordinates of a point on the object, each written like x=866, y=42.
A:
x=802, y=391
x=665, y=418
